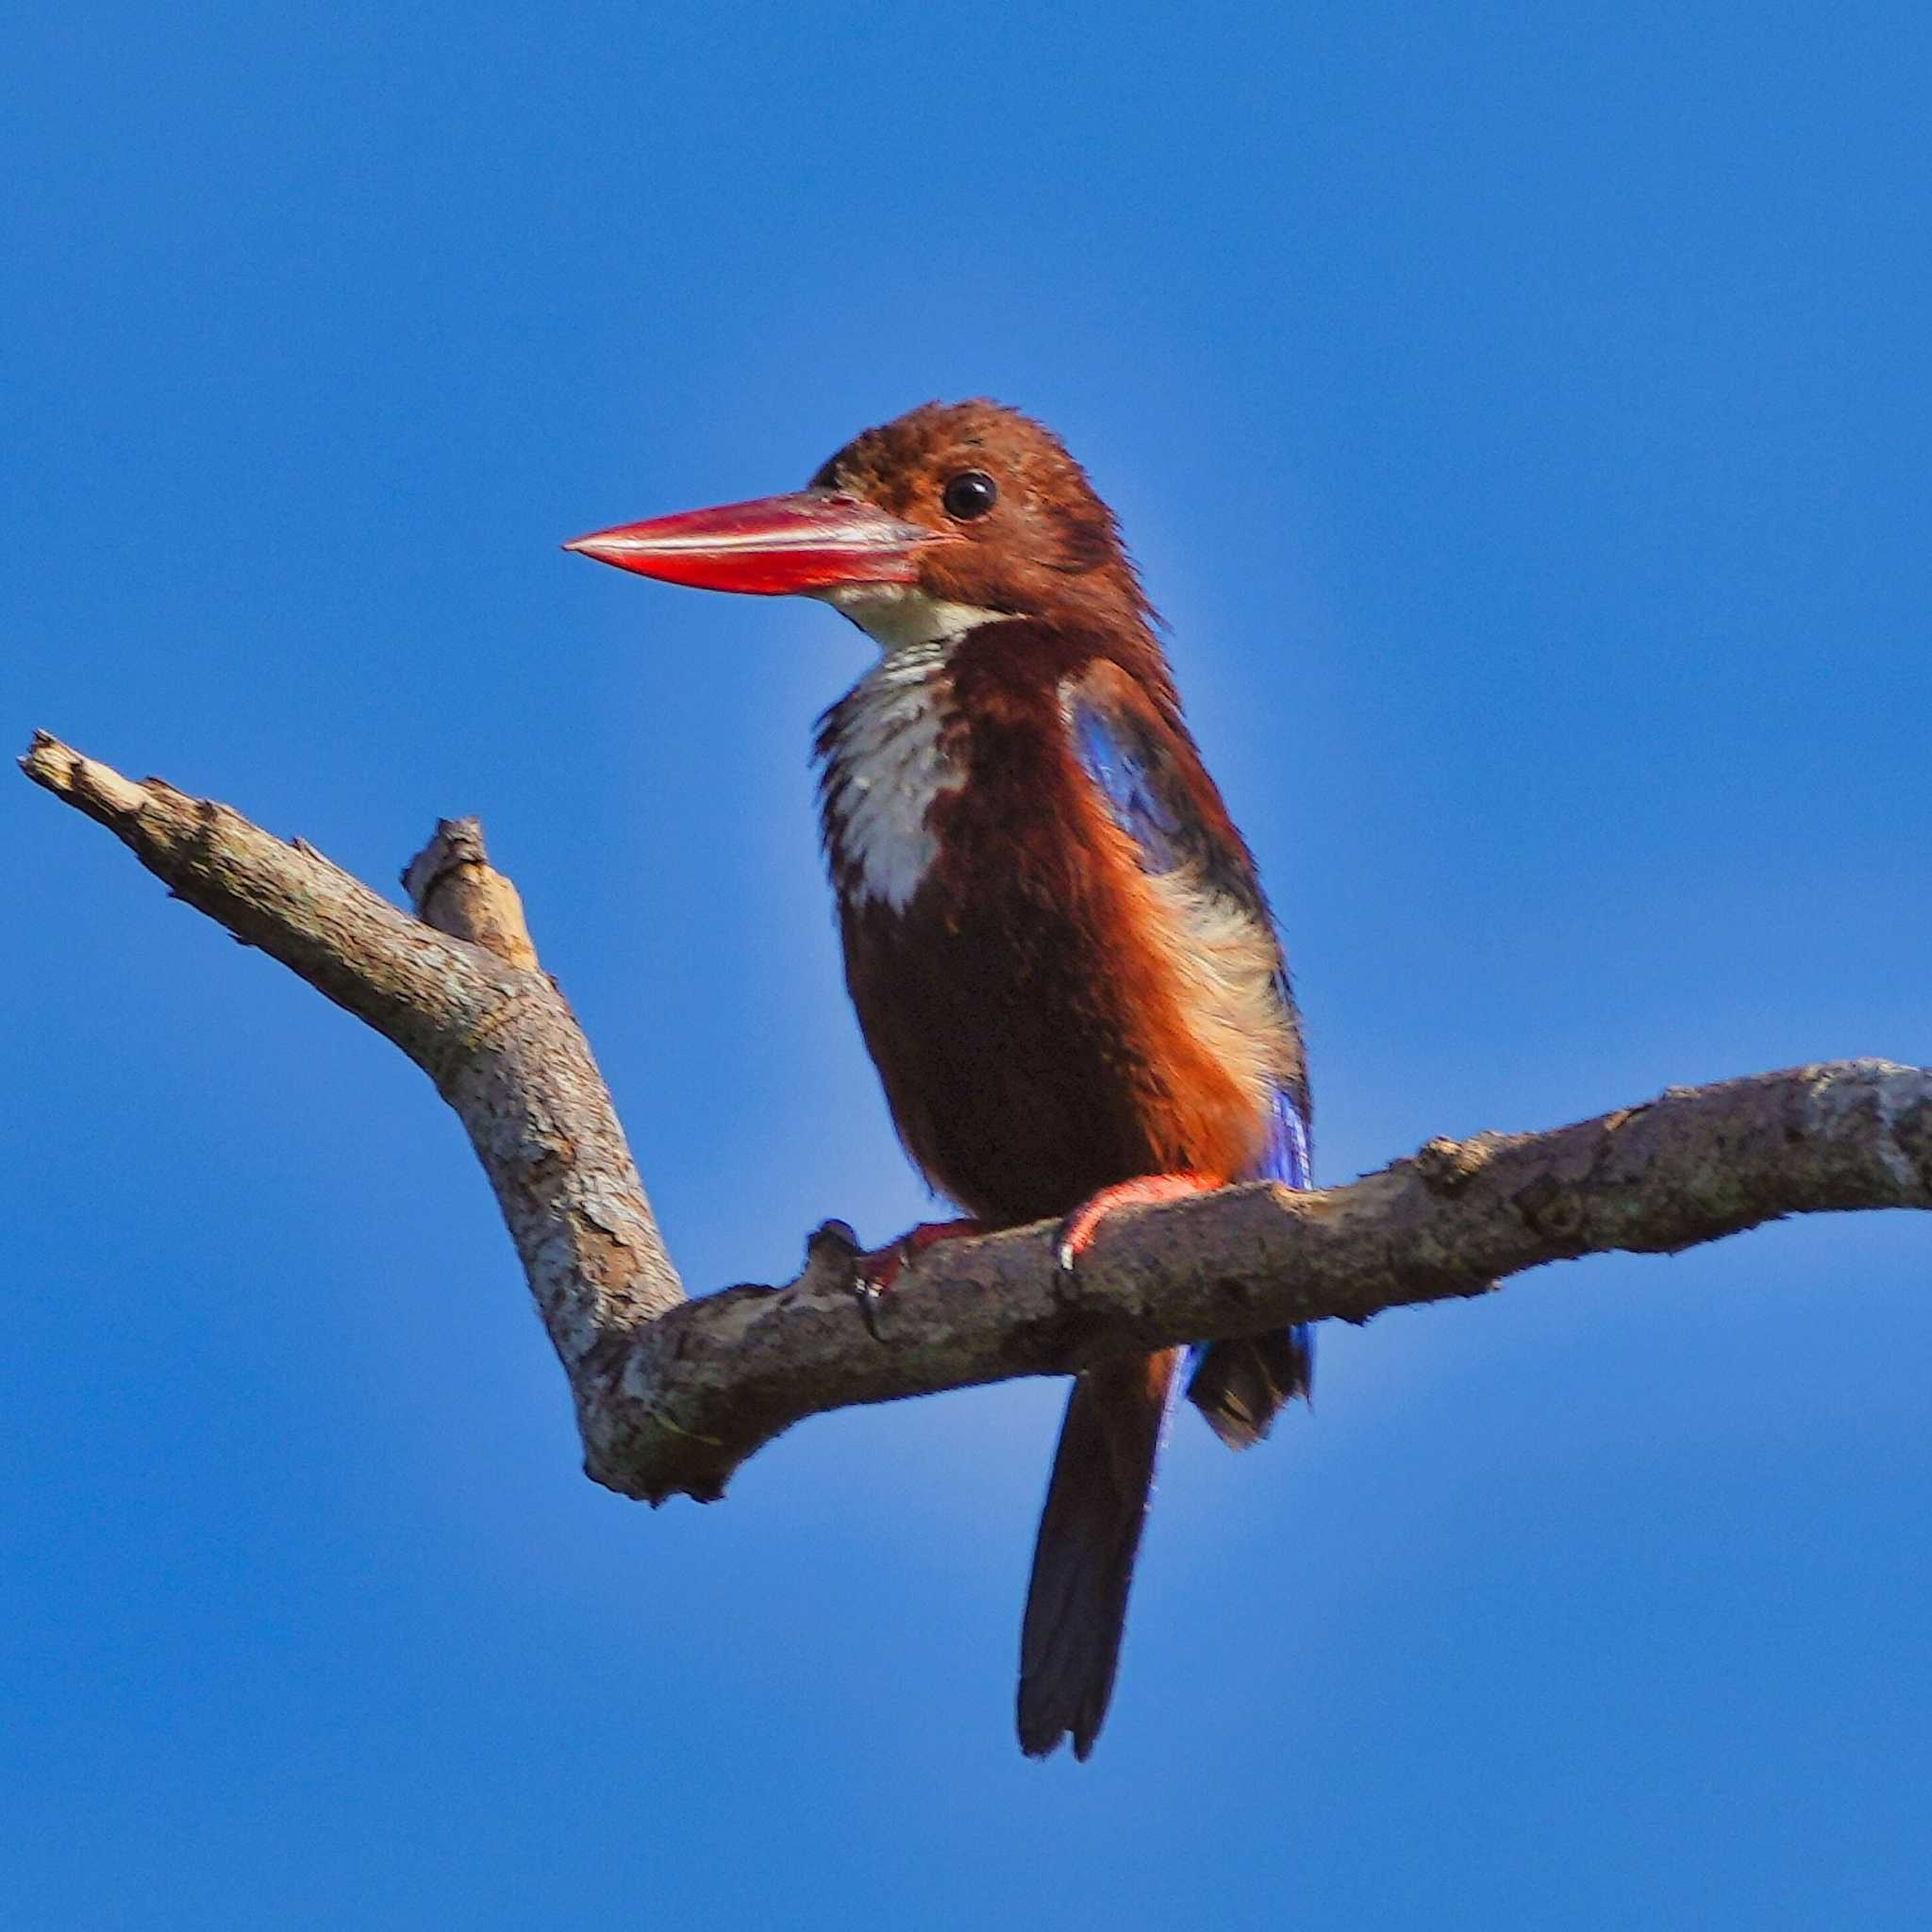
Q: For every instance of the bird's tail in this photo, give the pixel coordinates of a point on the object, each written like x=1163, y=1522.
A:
x=1241, y=1386
x=1083, y=1562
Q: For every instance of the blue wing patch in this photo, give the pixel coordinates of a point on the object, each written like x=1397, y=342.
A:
x=1285, y=1156
x=1123, y=770
x=1289, y=1353
x=1238, y=1386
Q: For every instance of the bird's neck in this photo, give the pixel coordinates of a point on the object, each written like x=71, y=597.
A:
x=887, y=749
x=898, y=742
x=898, y=616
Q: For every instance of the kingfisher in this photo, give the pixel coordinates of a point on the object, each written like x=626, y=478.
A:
x=1062, y=960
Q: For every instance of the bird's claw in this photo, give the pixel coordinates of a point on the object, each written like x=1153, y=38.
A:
x=1078, y=1231
x=834, y=1258
x=872, y=1281
x=870, y=1295
x=875, y=1275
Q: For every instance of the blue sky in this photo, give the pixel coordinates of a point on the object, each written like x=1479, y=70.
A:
x=1520, y=417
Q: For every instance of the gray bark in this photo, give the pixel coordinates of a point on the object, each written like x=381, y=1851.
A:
x=672, y=1393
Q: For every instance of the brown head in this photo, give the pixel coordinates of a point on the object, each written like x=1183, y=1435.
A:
x=966, y=505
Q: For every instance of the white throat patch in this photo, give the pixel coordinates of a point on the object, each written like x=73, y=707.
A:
x=884, y=757
x=894, y=615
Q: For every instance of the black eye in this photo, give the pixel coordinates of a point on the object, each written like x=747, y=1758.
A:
x=970, y=495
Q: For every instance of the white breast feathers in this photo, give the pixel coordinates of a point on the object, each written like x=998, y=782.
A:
x=885, y=759
x=884, y=766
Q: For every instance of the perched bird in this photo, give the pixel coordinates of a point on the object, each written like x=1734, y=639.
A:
x=1062, y=958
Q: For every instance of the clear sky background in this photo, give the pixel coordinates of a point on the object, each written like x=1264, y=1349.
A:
x=1521, y=415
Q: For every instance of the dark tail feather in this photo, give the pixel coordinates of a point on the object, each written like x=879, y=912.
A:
x=1241, y=1386
x=1090, y=1532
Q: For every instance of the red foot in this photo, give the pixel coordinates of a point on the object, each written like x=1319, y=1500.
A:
x=1079, y=1228
x=880, y=1269
x=877, y=1272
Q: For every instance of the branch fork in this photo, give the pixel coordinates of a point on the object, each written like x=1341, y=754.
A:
x=672, y=1393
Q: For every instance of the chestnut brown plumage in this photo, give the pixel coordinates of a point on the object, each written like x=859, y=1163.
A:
x=1060, y=955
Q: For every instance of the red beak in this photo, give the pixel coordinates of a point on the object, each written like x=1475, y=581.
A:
x=809, y=541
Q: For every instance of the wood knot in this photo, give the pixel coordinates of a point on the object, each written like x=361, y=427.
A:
x=454, y=887
x=831, y=1259
x=1445, y=1165
x=1553, y=1211
x=1912, y=1130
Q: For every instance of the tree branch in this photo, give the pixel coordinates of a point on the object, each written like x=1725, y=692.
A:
x=673, y=1395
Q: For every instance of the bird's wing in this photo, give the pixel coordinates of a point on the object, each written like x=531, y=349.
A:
x=1154, y=785
x=1151, y=781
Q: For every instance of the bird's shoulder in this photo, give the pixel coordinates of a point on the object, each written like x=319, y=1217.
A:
x=1146, y=779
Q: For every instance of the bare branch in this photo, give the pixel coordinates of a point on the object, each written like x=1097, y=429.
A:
x=673, y=1395
x=496, y=1036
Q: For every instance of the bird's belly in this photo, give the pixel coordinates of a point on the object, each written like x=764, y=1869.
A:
x=1027, y=1064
